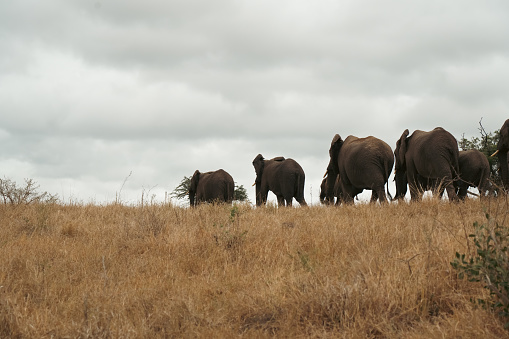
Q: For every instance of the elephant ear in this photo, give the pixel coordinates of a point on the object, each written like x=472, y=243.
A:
x=401, y=147
x=335, y=143
x=335, y=146
x=258, y=164
x=503, y=141
x=194, y=181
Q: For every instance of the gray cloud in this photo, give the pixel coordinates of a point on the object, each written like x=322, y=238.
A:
x=92, y=90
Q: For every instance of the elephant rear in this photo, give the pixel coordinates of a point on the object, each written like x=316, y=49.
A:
x=296, y=183
x=284, y=177
x=426, y=159
x=474, y=170
x=216, y=186
x=225, y=186
x=361, y=163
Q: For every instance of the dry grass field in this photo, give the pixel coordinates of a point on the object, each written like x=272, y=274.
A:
x=222, y=271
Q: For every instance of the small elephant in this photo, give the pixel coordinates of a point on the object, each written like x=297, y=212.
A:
x=426, y=160
x=474, y=171
x=324, y=199
x=360, y=163
x=502, y=149
x=216, y=186
x=284, y=177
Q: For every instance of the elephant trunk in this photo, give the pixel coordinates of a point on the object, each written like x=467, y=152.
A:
x=504, y=170
x=401, y=185
x=193, y=187
x=323, y=198
x=258, y=193
x=331, y=180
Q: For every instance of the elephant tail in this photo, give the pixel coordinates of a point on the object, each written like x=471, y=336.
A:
x=230, y=192
x=299, y=186
x=455, y=168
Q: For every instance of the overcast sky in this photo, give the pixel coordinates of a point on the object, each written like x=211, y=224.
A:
x=91, y=91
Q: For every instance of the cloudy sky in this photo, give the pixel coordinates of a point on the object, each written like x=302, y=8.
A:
x=92, y=91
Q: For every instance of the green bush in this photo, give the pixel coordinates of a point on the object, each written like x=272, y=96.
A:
x=489, y=265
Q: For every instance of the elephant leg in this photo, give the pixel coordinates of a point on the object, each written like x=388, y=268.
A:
x=349, y=195
x=280, y=201
x=289, y=201
x=263, y=196
x=380, y=192
x=301, y=201
x=348, y=192
x=449, y=187
x=374, y=196
x=415, y=190
x=451, y=192
x=482, y=191
x=414, y=183
x=483, y=187
x=462, y=193
x=348, y=199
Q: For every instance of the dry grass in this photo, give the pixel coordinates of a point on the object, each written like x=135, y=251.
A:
x=164, y=271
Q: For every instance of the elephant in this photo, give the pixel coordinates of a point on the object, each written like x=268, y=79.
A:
x=284, y=177
x=474, y=171
x=337, y=195
x=426, y=160
x=323, y=192
x=502, y=149
x=359, y=164
x=215, y=186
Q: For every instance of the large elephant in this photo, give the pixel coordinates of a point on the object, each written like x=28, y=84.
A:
x=284, y=177
x=502, y=149
x=426, y=160
x=216, y=186
x=360, y=163
x=474, y=171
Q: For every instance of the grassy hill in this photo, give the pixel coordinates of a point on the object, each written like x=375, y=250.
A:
x=223, y=271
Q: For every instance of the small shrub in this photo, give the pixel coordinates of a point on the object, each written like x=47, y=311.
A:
x=26, y=194
x=490, y=264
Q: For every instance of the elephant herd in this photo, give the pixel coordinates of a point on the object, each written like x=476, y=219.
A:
x=422, y=161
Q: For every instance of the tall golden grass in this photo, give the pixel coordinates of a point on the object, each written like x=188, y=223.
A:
x=223, y=271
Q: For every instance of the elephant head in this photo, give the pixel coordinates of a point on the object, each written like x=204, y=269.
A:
x=258, y=164
x=329, y=200
x=502, y=149
x=193, y=186
x=400, y=167
x=323, y=192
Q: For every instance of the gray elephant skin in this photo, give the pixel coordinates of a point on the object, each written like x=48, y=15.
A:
x=215, y=186
x=360, y=163
x=426, y=160
x=284, y=177
x=474, y=172
x=502, y=149
x=324, y=199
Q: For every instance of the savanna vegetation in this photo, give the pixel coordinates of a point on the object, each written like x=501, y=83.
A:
x=157, y=270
